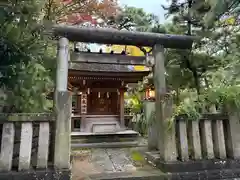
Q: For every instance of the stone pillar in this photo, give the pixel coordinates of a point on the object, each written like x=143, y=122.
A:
x=149, y=113
x=194, y=139
x=163, y=108
x=121, y=97
x=233, y=137
x=63, y=109
x=218, y=136
x=62, y=65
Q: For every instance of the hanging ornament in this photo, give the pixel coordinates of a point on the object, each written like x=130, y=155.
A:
x=88, y=90
x=99, y=94
x=107, y=94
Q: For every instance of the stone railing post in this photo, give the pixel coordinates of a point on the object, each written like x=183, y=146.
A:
x=233, y=137
x=163, y=108
x=149, y=112
x=218, y=136
x=63, y=109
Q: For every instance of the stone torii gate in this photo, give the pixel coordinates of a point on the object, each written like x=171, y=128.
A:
x=165, y=141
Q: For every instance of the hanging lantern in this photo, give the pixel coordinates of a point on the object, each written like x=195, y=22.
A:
x=107, y=94
x=84, y=82
x=118, y=92
x=88, y=90
x=122, y=83
x=150, y=94
x=99, y=94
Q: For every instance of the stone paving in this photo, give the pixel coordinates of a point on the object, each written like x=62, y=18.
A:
x=98, y=161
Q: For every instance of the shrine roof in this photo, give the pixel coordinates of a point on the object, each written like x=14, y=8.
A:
x=95, y=67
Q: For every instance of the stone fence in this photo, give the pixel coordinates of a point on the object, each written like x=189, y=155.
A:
x=209, y=146
x=213, y=136
x=206, y=138
x=24, y=141
x=27, y=145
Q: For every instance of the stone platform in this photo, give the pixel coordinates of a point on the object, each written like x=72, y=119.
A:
x=112, y=163
x=100, y=123
x=124, y=138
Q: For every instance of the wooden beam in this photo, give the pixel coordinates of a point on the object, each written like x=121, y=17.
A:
x=104, y=89
x=78, y=57
x=121, y=101
x=104, y=74
x=127, y=79
x=113, y=36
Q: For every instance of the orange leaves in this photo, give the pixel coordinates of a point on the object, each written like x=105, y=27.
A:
x=78, y=11
x=108, y=7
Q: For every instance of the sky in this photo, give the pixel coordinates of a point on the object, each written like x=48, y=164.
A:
x=150, y=6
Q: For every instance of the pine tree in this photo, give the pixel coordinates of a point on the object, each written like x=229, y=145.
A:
x=24, y=72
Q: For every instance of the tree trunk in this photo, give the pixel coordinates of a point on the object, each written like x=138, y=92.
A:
x=177, y=96
x=196, y=80
x=206, y=82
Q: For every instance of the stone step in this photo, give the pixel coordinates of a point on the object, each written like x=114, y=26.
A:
x=127, y=138
x=105, y=137
x=76, y=146
x=99, y=140
x=141, y=175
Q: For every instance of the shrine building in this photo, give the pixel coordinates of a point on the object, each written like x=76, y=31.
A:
x=98, y=89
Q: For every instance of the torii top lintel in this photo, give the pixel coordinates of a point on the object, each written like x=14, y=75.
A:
x=123, y=37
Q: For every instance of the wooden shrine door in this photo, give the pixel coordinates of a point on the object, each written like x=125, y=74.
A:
x=101, y=104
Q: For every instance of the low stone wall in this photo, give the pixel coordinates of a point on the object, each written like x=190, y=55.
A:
x=205, y=138
x=205, y=148
x=26, y=144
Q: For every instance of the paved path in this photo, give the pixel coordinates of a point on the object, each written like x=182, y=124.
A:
x=98, y=161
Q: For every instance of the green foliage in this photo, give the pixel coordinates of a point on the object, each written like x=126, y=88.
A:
x=141, y=124
x=26, y=64
x=135, y=104
x=30, y=92
x=189, y=109
x=132, y=18
x=223, y=96
x=202, y=13
x=219, y=8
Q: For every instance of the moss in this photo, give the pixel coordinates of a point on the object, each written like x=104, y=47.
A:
x=137, y=157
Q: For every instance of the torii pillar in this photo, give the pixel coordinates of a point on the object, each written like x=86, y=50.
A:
x=164, y=108
x=63, y=108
